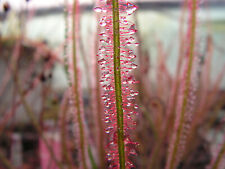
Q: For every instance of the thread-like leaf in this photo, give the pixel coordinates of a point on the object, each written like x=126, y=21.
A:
x=178, y=140
x=116, y=62
x=76, y=92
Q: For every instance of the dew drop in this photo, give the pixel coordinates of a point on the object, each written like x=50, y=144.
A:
x=134, y=66
x=102, y=34
x=132, y=55
x=102, y=61
x=131, y=8
x=102, y=21
x=104, y=10
x=102, y=49
x=129, y=116
x=98, y=9
x=132, y=29
x=136, y=106
x=102, y=40
x=129, y=104
x=128, y=43
x=131, y=39
x=109, y=157
x=132, y=152
x=112, y=143
x=136, y=44
x=129, y=164
x=107, y=75
x=130, y=98
x=108, y=40
x=108, y=130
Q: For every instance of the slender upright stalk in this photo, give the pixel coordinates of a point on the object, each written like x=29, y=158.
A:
x=100, y=111
x=100, y=124
x=93, y=164
x=117, y=77
x=5, y=161
x=64, y=146
x=172, y=163
x=76, y=92
x=219, y=157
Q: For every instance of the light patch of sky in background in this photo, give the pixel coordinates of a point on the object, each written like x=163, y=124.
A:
x=35, y=4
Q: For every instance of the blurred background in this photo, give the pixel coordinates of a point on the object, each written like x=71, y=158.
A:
x=38, y=27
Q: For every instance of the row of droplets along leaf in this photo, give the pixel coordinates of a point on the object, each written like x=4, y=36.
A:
x=106, y=62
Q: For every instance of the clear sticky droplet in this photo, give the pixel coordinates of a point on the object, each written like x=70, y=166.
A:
x=106, y=120
x=132, y=55
x=102, y=61
x=136, y=44
x=129, y=104
x=102, y=49
x=128, y=43
x=98, y=9
x=108, y=40
x=131, y=8
x=133, y=66
x=132, y=29
x=131, y=39
x=108, y=130
x=109, y=157
x=102, y=34
x=102, y=40
x=136, y=106
x=102, y=21
x=132, y=152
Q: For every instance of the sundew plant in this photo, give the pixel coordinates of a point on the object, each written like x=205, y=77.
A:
x=116, y=60
x=133, y=114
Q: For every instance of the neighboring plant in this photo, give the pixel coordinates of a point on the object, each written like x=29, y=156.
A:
x=187, y=95
x=76, y=85
x=175, y=110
